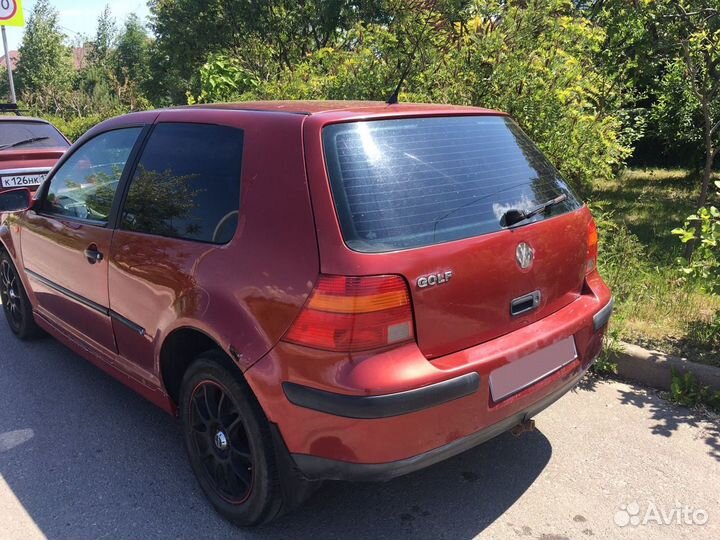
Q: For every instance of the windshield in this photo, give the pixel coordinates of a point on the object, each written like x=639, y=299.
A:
x=406, y=183
x=13, y=132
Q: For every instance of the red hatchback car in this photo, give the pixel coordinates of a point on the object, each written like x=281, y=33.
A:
x=29, y=147
x=320, y=290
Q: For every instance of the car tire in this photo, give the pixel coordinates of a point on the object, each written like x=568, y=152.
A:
x=230, y=445
x=16, y=304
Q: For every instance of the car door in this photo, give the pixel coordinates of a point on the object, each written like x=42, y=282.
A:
x=181, y=208
x=65, y=242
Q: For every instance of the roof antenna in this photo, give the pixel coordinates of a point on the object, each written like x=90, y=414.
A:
x=393, y=99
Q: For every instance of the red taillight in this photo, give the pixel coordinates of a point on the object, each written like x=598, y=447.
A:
x=592, y=249
x=348, y=314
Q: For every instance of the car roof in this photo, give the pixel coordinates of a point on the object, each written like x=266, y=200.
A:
x=14, y=118
x=351, y=107
x=326, y=111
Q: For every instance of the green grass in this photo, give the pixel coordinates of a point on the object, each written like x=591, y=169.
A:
x=655, y=307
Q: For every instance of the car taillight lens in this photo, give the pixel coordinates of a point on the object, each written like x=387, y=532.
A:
x=348, y=314
x=592, y=249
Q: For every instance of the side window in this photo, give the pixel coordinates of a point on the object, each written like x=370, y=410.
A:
x=187, y=184
x=84, y=186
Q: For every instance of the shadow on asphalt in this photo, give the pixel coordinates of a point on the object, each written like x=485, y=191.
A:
x=87, y=458
x=670, y=417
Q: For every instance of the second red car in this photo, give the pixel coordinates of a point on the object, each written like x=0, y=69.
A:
x=29, y=148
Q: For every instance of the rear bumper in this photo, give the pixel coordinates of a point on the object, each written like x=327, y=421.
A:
x=383, y=415
x=386, y=405
x=317, y=468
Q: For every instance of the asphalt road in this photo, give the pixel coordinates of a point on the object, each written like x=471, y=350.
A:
x=83, y=457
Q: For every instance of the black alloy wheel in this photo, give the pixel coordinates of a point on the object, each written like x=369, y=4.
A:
x=11, y=295
x=231, y=447
x=16, y=305
x=221, y=441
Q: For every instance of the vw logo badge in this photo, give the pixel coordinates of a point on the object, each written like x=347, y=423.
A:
x=524, y=255
x=221, y=442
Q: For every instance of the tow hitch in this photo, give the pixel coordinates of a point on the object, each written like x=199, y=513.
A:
x=523, y=427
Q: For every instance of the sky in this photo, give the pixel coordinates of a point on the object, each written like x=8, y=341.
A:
x=78, y=17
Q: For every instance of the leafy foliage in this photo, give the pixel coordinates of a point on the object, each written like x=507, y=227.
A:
x=221, y=79
x=263, y=36
x=74, y=127
x=685, y=390
x=703, y=227
x=105, y=37
x=131, y=63
x=45, y=61
x=532, y=59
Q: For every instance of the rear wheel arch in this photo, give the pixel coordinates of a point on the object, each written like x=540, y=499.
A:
x=179, y=350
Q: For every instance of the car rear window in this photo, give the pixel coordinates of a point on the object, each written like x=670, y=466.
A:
x=406, y=183
x=15, y=131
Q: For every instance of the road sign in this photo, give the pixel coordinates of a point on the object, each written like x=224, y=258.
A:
x=11, y=13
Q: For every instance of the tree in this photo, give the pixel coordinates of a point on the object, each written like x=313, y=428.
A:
x=535, y=59
x=4, y=84
x=96, y=80
x=633, y=58
x=691, y=83
x=700, y=44
x=45, y=62
x=105, y=36
x=264, y=35
x=131, y=60
x=539, y=61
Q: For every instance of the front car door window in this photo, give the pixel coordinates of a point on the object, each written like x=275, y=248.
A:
x=84, y=186
x=65, y=245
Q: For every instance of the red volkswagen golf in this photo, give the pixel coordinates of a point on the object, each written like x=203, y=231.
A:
x=320, y=290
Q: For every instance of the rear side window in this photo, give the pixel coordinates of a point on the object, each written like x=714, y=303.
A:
x=19, y=134
x=400, y=184
x=187, y=184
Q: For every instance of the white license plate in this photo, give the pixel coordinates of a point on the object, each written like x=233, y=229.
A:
x=523, y=372
x=22, y=180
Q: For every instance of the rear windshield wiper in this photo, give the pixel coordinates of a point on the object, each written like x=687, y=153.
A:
x=24, y=141
x=515, y=216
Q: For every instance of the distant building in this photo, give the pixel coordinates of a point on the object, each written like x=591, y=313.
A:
x=14, y=57
x=79, y=57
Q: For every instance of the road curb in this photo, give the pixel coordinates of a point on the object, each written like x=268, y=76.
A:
x=654, y=368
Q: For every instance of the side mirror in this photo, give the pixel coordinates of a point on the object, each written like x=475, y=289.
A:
x=15, y=200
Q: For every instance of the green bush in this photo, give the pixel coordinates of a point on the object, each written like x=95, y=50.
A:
x=703, y=228
x=685, y=390
x=75, y=127
x=222, y=78
x=622, y=260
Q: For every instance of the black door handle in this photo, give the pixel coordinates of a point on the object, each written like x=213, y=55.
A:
x=525, y=303
x=93, y=255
